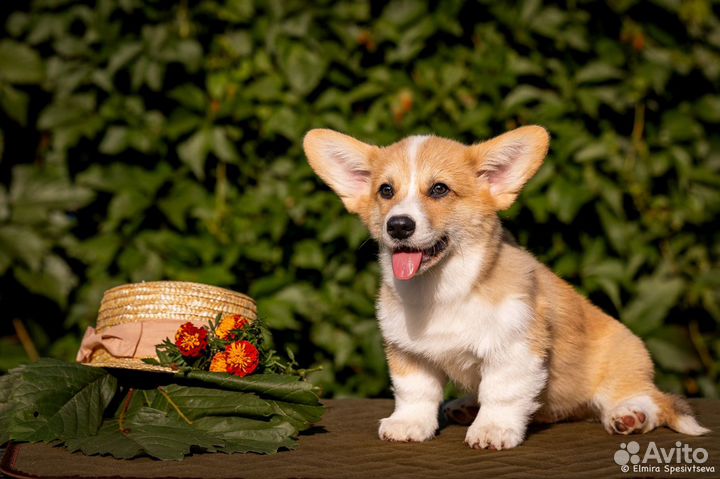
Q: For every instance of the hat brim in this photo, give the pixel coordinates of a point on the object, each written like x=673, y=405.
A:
x=103, y=359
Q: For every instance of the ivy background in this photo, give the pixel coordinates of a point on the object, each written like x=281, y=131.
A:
x=157, y=139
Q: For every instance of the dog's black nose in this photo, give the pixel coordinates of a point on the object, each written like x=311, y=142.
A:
x=400, y=227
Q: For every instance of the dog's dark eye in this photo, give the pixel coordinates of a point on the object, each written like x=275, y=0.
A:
x=439, y=190
x=386, y=191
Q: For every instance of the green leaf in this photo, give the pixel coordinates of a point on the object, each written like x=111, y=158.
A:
x=309, y=255
x=303, y=68
x=146, y=430
x=198, y=402
x=15, y=103
x=598, y=71
x=126, y=205
x=273, y=386
x=35, y=192
x=166, y=437
x=223, y=147
x=671, y=356
x=191, y=97
x=53, y=280
x=115, y=140
x=8, y=383
x=193, y=151
x=24, y=244
x=241, y=434
x=13, y=356
x=20, y=63
x=708, y=108
x=301, y=416
x=108, y=440
x=654, y=299
x=123, y=55
x=52, y=400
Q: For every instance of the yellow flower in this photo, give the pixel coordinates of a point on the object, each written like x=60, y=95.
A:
x=228, y=324
x=219, y=363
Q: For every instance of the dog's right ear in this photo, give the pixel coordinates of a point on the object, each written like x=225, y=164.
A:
x=342, y=162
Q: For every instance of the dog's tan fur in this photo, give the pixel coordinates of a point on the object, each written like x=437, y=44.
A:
x=595, y=366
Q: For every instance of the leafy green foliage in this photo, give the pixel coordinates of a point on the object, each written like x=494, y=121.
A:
x=71, y=404
x=145, y=141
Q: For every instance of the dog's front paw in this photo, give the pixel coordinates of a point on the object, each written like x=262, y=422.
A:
x=492, y=436
x=403, y=429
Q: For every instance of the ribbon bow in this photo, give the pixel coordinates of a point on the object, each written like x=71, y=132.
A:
x=129, y=340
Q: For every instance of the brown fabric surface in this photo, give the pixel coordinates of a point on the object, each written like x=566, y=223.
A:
x=345, y=445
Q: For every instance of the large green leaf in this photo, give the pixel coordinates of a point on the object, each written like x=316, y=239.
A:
x=147, y=431
x=198, y=402
x=273, y=386
x=52, y=400
x=108, y=441
x=248, y=435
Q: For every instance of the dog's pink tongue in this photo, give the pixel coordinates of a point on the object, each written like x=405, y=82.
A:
x=405, y=265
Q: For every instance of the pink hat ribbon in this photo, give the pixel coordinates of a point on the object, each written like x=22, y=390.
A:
x=129, y=340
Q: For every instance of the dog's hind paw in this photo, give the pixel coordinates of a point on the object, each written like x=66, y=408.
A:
x=629, y=418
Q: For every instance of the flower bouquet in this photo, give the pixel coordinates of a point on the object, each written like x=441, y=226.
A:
x=230, y=344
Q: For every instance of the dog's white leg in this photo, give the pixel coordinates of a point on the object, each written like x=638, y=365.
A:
x=418, y=392
x=508, y=395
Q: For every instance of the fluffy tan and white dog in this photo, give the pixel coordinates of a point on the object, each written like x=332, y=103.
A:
x=460, y=302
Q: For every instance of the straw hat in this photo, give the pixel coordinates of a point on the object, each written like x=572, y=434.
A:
x=134, y=318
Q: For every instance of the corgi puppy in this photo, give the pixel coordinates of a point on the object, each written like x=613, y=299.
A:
x=460, y=302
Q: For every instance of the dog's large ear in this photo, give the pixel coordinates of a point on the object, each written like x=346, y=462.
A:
x=505, y=163
x=342, y=162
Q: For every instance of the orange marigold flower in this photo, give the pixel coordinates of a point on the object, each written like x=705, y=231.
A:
x=191, y=341
x=230, y=323
x=219, y=363
x=242, y=358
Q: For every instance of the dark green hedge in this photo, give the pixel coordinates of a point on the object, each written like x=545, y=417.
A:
x=147, y=140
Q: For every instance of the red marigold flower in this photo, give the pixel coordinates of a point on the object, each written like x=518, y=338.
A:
x=191, y=340
x=230, y=323
x=219, y=363
x=242, y=358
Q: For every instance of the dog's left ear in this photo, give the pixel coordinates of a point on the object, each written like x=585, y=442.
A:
x=508, y=161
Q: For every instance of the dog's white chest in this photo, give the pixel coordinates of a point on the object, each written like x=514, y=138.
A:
x=456, y=336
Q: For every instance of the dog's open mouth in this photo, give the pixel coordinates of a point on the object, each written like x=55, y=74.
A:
x=406, y=261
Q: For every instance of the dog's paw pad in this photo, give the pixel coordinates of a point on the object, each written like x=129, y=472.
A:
x=404, y=430
x=627, y=421
x=493, y=437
